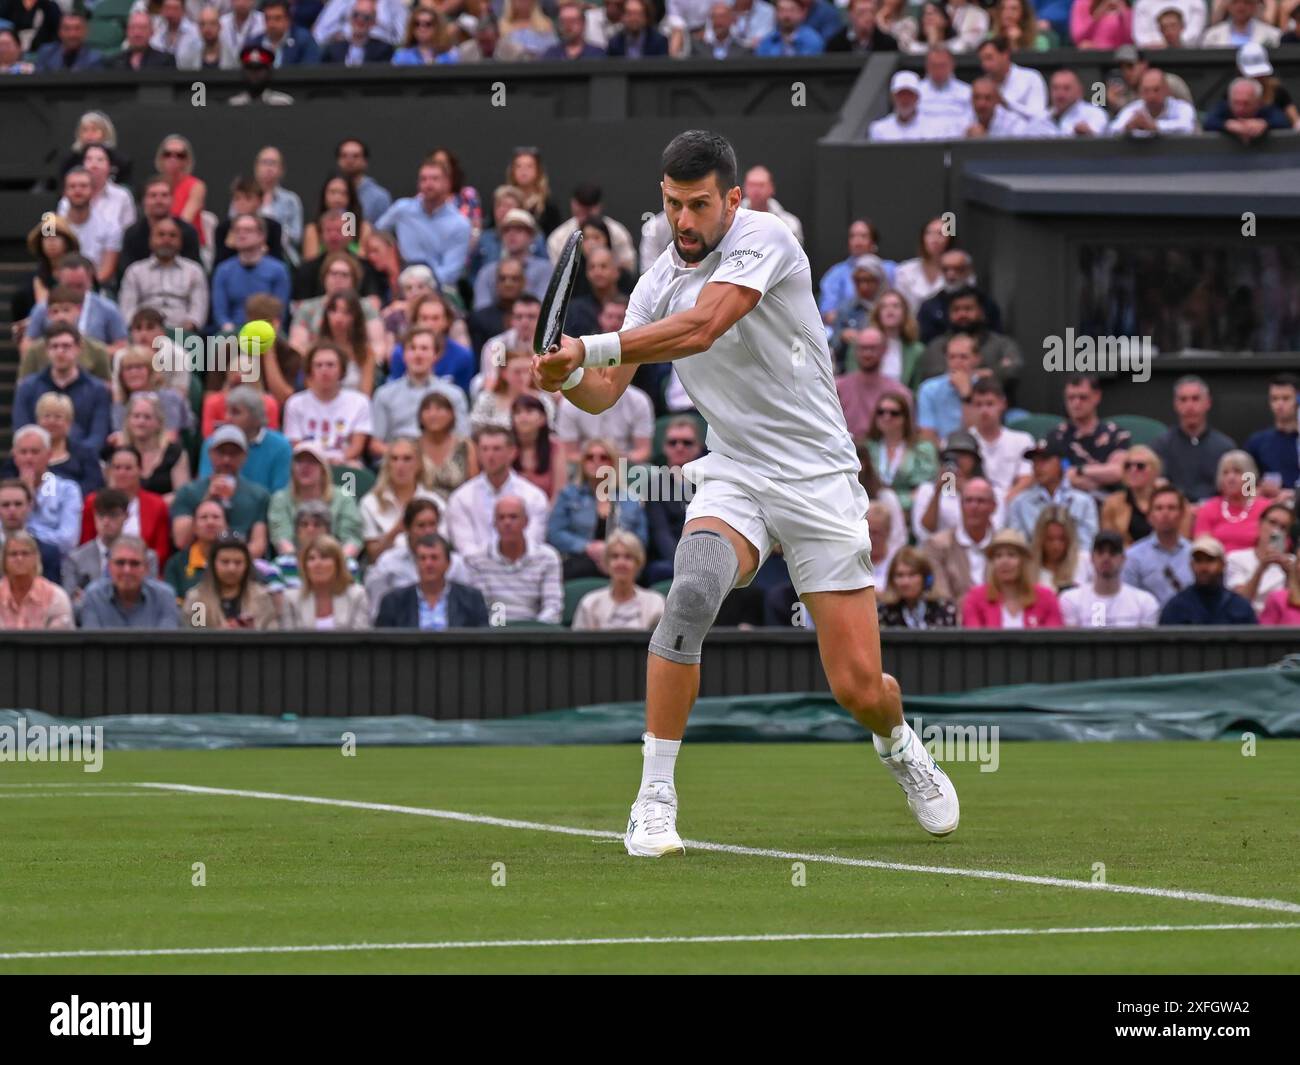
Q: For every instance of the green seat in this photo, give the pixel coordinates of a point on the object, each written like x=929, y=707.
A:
x=118, y=9
x=1144, y=430
x=661, y=430
x=574, y=590
x=1036, y=425
x=357, y=481
x=662, y=587
x=105, y=34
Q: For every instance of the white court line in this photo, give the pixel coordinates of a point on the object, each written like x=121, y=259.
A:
x=1278, y=905
x=82, y=784
x=79, y=794
x=620, y=941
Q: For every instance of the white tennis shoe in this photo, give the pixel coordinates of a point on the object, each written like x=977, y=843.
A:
x=930, y=794
x=652, y=824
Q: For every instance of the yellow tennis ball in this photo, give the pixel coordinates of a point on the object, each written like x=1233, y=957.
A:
x=257, y=337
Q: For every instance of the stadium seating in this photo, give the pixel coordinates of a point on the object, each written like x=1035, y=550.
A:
x=574, y=590
x=1143, y=430
x=1036, y=425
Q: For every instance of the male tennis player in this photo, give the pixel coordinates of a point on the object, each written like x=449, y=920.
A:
x=732, y=299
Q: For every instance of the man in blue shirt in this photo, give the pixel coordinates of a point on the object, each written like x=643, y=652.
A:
x=91, y=402
x=941, y=400
x=1276, y=451
x=1162, y=562
x=1051, y=487
x=791, y=36
x=1208, y=602
x=250, y=272
x=128, y=598
x=428, y=227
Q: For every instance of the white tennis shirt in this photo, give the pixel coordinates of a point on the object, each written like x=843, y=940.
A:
x=766, y=386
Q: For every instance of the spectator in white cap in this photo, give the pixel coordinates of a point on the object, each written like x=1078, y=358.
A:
x=1252, y=62
x=944, y=96
x=1242, y=26
x=1148, y=15
x=1070, y=114
x=907, y=123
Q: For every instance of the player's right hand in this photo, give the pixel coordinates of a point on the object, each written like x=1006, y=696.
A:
x=553, y=368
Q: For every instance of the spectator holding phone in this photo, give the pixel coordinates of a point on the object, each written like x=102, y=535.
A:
x=1256, y=572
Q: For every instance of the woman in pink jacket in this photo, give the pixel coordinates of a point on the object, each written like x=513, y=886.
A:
x=1101, y=24
x=1010, y=597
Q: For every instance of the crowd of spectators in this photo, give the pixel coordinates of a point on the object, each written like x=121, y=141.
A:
x=387, y=461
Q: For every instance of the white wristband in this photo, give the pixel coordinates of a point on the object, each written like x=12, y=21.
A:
x=573, y=379
x=603, y=349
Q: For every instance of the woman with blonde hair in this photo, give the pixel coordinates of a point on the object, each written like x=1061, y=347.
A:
x=228, y=595
x=68, y=458
x=909, y=601
x=404, y=475
x=1232, y=517
x=328, y=599
x=174, y=160
x=164, y=465
x=903, y=347
x=1125, y=510
x=527, y=173
x=135, y=373
x=587, y=511
x=1060, y=562
x=620, y=605
x=29, y=600
x=310, y=479
x=1010, y=598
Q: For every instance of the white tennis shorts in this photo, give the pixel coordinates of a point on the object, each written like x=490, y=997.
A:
x=819, y=522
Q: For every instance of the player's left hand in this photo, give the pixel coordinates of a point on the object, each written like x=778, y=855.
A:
x=552, y=369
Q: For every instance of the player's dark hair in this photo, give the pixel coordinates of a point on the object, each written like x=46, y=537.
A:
x=696, y=154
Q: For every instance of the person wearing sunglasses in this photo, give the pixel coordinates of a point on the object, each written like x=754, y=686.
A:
x=666, y=517
x=1161, y=562
x=359, y=44
x=428, y=40
x=175, y=162
x=592, y=508
x=1256, y=572
x=1125, y=511
x=902, y=460
x=128, y=598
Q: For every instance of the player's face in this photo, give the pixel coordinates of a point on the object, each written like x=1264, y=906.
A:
x=699, y=214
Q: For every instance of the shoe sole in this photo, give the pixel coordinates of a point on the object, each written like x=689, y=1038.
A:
x=670, y=852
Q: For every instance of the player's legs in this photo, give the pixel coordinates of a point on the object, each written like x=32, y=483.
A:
x=848, y=637
x=672, y=686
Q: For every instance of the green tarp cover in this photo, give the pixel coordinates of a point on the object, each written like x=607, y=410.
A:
x=1186, y=706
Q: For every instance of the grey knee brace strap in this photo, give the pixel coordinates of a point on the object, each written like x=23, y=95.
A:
x=704, y=570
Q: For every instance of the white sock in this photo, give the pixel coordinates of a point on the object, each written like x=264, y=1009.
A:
x=659, y=760
x=885, y=745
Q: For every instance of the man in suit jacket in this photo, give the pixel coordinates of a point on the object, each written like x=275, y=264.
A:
x=89, y=562
x=724, y=46
x=291, y=49
x=139, y=54
x=71, y=52
x=435, y=603
x=360, y=46
x=637, y=39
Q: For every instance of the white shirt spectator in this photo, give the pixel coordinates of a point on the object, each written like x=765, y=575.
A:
x=774, y=207
x=656, y=235
x=632, y=417
x=597, y=611
x=949, y=102
x=911, y=281
x=97, y=235
x=1178, y=116
x=620, y=243
x=378, y=517
x=949, y=511
x=1241, y=567
x=1083, y=608
x=750, y=26
x=185, y=37
x=687, y=14
x=971, y=24
x=1080, y=111
x=395, y=568
x=1146, y=30
x=113, y=204
x=921, y=128
x=331, y=424
x=236, y=37
x=470, y=512
x=1004, y=459
x=1220, y=35
x=1024, y=92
